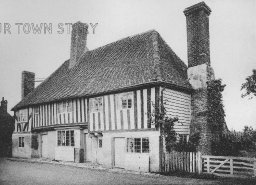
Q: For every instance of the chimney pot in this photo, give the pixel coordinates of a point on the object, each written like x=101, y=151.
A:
x=78, y=42
x=196, y=8
x=4, y=105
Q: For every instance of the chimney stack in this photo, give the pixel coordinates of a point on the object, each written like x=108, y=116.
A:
x=27, y=83
x=199, y=71
x=198, y=44
x=78, y=42
x=198, y=34
x=4, y=105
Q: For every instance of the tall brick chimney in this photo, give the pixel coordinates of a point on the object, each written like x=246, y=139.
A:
x=27, y=83
x=4, y=105
x=78, y=42
x=199, y=69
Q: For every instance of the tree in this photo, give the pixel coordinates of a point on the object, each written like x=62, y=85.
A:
x=250, y=85
x=249, y=139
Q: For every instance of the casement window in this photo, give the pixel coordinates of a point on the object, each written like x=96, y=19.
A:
x=36, y=113
x=64, y=107
x=100, y=143
x=96, y=104
x=21, y=141
x=138, y=145
x=126, y=101
x=22, y=115
x=69, y=106
x=66, y=138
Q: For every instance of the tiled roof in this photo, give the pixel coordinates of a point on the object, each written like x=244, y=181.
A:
x=132, y=61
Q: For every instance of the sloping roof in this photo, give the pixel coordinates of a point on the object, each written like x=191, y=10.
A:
x=134, y=60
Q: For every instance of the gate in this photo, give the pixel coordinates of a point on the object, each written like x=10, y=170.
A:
x=229, y=166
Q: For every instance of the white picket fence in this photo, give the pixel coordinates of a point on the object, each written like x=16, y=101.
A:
x=194, y=162
x=182, y=161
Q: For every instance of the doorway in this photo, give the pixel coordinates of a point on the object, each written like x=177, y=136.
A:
x=119, y=152
x=44, y=146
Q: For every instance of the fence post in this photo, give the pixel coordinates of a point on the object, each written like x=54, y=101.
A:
x=208, y=164
x=231, y=166
x=190, y=162
x=254, y=167
x=199, y=162
x=194, y=161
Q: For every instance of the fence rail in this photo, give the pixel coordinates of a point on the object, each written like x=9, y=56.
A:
x=229, y=166
x=194, y=162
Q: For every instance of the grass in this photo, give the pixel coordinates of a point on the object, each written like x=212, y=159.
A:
x=221, y=180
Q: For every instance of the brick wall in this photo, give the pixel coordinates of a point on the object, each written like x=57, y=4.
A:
x=199, y=70
x=78, y=42
x=27, y=83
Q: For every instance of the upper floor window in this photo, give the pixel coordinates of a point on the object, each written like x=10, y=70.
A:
x=36, y=110
x=126, y=101
x=22, y=115
x=64, y=107
x=36, y=113
x=96, y=104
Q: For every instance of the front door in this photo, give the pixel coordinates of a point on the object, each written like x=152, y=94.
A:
x=44, y=146
x=119, y=152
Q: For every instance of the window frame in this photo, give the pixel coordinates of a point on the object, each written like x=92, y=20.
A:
x=136, y=145
x=66, y=138
x=100, y=143
x=65, y=107
x=22, y=115
x=96, y=104
x=21, y=142
x=36, y=114
x=124, y=101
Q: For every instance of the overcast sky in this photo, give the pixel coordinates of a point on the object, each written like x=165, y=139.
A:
x=232, y=40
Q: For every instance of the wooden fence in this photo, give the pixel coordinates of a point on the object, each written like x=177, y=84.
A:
x=229, y=166
x=193, y=162
x=182, y=161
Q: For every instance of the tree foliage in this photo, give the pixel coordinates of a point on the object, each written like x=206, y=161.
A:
x=216, y=113
x=250, y=85
x=236, y=143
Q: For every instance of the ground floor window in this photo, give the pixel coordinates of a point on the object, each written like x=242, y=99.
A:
x=183, y=138
x=66, y=138
x=100, y=143
x=21, y=141
x=138, y=145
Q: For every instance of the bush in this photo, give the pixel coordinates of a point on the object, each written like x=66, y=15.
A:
x=190, y=146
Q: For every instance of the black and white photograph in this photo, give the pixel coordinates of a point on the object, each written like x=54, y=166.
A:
x=127, y=92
